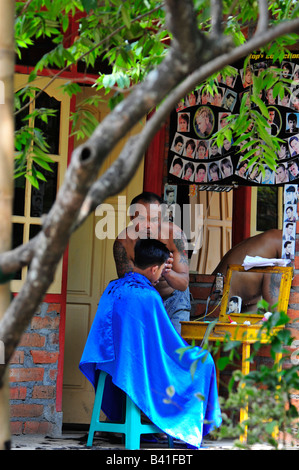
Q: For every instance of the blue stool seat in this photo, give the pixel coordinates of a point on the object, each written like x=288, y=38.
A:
x=132, y=427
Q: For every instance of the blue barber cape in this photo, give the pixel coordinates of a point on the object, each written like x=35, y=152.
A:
x=134, y=341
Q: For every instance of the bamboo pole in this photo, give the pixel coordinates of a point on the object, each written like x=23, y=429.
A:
x=6, y=182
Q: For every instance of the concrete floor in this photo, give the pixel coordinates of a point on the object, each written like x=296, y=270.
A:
x=75, y=437
x=77, y=441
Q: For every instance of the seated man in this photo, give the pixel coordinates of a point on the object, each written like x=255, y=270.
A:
x=134, y=341
x=251, y=287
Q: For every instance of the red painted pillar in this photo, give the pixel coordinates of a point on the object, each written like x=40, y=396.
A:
x=241, y=214
x=154, y=163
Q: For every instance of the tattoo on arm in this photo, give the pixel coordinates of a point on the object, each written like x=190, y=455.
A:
x=274, y=285
x=122, y=262
x=270, y=287
x=181, y=244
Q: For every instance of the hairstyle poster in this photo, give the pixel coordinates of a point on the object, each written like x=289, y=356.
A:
x=290, y=217
x=195, y=158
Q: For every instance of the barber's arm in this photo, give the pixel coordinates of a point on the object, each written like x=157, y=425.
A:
x=176, y=272
x=122, y=262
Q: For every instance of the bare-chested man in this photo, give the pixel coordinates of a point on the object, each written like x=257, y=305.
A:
x=147, y=222
x=251, y=287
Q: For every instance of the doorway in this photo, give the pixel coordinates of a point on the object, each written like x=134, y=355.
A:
x=90, y=269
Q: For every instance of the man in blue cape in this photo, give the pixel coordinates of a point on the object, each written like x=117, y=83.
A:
x=134, y=341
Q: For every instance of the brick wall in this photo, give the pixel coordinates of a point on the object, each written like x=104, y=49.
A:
x=201, y=288
x=33, y=376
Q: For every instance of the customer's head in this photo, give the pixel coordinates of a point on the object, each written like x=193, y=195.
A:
x=150, y=252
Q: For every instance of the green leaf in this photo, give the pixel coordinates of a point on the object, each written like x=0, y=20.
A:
x=222, y=362
x=65, y=23
x=170, y=391
x=181, y=351
x=193, y=368
x=233, y=344
x=199, y=396
x=40, y=176
x=126, y=17
x=257, y=100
x=109, y=81
x=270, y=426
x=210, y=327
x=32, y=180
x=89, y=5
x=42, y=163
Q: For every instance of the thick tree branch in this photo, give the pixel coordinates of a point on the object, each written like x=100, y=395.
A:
x=217, y=17
x=85, y=163
x=188, y=40
x=16, y=259
x=263, y=21
x=13, y=260
x=79, y=186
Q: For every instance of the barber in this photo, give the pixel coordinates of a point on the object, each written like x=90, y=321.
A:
x=147, y=222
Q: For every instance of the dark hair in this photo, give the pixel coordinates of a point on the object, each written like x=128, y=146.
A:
x=214, y=167
x=288, y=66
x=190, y=142
x=202, y=143
x=169, y=190
x=146, y=196
x=178, y=161
x=178, y=139
x=150, y=252
x=292, y=117
x=201, y=166
x=188, y=165
x=185, y=117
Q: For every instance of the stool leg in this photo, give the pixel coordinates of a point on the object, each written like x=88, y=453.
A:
x=96, y=407
x=132, y=427
x=170, y=441
x=133, y=424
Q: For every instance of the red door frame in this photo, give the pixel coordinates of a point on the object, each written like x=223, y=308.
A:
x=241, y=214
x=154, y=162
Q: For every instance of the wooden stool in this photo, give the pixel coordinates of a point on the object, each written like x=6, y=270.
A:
x=132, y=427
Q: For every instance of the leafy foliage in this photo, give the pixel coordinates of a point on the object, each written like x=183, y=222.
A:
x=267, y=391
x=128, y=35
x=132, y=38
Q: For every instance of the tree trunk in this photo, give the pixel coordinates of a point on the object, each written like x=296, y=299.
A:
x=6, y=182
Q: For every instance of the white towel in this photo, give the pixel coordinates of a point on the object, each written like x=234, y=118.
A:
x=259, y=262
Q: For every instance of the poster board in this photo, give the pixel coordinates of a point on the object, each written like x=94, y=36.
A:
x=195, y=159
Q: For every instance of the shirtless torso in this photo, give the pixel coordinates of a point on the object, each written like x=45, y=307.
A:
x=147, y=223
x=251, y=287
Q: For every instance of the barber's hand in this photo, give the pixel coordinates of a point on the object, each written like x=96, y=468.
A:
x=168, y=265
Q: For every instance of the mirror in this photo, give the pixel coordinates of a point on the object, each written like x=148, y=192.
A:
x=243, y=289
